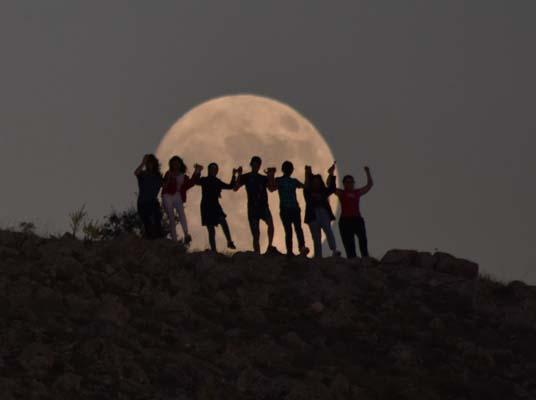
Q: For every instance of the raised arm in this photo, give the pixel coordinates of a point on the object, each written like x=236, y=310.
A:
x=331, y=182
x=308, y=176
x=191, y=182
x=140, y=168
x=370, y=183
x=239, y=181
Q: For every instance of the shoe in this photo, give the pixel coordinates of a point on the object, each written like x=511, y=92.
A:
x=304, y=250
x=187, y=239
x=231, y=245
x=336, y=253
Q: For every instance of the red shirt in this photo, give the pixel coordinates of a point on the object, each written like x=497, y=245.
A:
x=170, y=185
x=349, y=203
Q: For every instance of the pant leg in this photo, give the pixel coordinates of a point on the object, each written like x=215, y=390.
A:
x=296, y=221
x=226, y=230
x=286, y=219
x=158, y=220
x=324, y=220
x=347, y=235
x=361, y=232
x=254, y=226
x=179, y=206
x=212, y=237
x=167, y=201
x=144, y=214
x=316, y=234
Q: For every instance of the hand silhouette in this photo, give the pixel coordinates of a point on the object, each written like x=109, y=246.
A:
x=331, y=169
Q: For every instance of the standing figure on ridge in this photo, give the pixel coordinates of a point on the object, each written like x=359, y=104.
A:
x=149, y=185
x=258, y=208
x=212, y=213
x=351, y=223
x=289, y=209
x=176, y=184
x=318, y=213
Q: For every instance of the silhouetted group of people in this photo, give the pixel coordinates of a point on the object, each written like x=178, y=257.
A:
x=175, y=183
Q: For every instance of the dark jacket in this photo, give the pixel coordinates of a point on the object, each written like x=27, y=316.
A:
x=313, y=200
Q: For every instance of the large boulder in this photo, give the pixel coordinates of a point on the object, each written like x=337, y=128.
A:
x=449, y=264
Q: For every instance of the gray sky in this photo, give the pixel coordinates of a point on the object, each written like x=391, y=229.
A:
x=437, y=96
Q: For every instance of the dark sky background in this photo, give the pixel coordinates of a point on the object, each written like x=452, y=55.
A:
x=437, y=96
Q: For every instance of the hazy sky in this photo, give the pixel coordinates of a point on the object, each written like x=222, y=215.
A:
x=437, y=96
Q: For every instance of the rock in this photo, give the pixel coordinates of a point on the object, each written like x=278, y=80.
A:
x=449, y=264
x=68, y=268
x=369, y=262
x=8, y=252
x=401, y=258
x=37, y=358
x=426, y=261
x=68, y=382
x=113, y=311
x=317, y=307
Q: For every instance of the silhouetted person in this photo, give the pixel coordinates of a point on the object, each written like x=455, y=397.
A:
x=258, y=208
x=176, y=184
x=289, y=209
x=149, y=185
x=351, y=223
x=318, y=213
x=212, y=213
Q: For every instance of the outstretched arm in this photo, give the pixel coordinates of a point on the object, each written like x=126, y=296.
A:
x=230, y=185
x=365, y=189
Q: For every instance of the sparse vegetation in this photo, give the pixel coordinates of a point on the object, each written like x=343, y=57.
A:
x=76, y=220
x=27, y=227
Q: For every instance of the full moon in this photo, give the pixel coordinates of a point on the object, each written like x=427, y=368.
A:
x=230, y=130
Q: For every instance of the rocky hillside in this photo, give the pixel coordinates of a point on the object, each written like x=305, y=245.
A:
x=130, y=319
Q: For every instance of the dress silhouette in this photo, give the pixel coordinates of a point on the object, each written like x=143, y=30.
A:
x=212, y=213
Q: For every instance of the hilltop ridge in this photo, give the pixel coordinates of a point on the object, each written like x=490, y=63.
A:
x=135, y=319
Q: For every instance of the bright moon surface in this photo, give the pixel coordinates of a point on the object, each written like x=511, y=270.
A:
x=229, y=131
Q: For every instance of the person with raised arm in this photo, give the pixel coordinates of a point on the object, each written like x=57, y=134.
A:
x=351, y=222
x=149, y=184
x=176, y=184
x=258, y=208
x=318, y=213
x=212, y=213
x=289, y=209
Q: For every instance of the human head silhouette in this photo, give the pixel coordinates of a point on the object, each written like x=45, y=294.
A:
x=317, y=183
x=287, y=168
x=348, y=182
x=152, y=164
x=255, y=163
x=176, y=164
x=213, y=169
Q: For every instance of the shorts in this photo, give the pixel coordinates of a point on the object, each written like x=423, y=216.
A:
x=256, y=215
